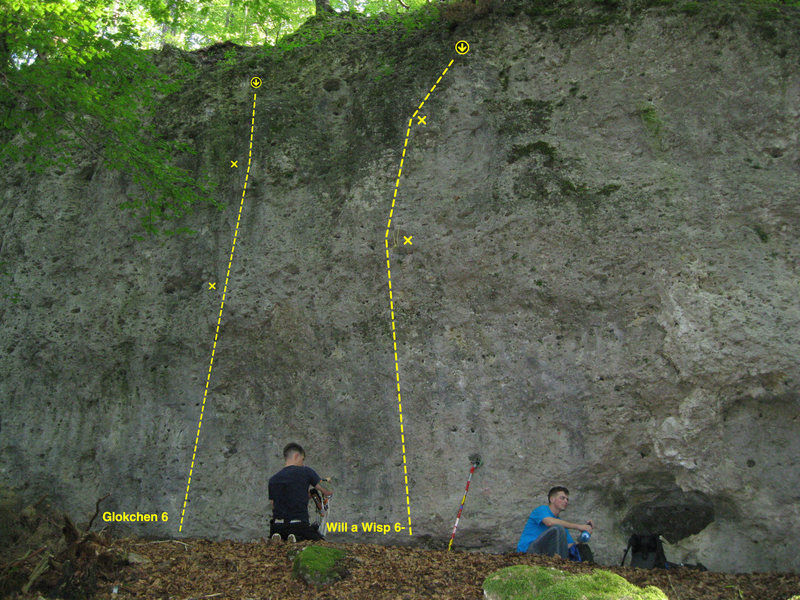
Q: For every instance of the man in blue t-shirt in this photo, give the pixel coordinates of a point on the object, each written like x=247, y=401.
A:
x=288, y=495
x=544, y=532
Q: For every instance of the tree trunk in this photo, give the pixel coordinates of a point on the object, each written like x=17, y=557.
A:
x=228, y=17
x=323, y=6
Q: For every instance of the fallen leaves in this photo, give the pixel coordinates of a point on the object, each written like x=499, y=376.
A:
x=262, y=571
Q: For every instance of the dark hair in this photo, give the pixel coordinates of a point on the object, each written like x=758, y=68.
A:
x=291, y=448
x=555, y=490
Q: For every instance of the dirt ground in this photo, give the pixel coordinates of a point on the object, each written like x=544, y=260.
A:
x=202, y=569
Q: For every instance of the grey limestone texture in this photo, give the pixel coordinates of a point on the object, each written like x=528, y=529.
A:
x=602, y=292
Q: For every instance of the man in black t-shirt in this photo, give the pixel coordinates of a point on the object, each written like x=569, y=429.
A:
x=288, y=495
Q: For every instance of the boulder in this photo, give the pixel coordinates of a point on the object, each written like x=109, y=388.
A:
x=319, y=566
x=528, y=582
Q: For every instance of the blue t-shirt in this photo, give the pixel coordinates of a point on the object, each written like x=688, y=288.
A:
x=534, y=527
x=288, y=489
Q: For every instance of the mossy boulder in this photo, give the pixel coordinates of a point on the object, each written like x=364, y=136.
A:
x=319, y=565
x=526, y=582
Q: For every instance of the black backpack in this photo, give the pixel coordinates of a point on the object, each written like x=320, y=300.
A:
x=647, y=551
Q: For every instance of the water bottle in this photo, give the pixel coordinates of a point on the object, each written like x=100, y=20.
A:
x=585, y=535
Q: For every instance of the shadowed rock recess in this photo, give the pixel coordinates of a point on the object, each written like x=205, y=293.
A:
x=602, y=290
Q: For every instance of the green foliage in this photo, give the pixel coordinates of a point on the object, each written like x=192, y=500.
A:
x=650, y=118
x=691, y=8
x=319, y=28
x=654, y=124
x=230, y=57
x=421, y=18
x=538, y=8
x=73, y=79
x=245, y=22
x=385, y=69
x=253, y=22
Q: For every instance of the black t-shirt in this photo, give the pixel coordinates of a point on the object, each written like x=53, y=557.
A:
x=288, y=489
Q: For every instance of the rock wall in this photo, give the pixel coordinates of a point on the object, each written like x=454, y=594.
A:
x=601, y=291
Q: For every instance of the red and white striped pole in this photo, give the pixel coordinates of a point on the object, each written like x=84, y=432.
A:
x=475, y=459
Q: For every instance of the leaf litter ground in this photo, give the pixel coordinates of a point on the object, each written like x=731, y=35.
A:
x=204, y=569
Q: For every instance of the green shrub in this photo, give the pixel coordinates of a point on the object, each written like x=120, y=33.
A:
x=691, y=8
x=650, y=118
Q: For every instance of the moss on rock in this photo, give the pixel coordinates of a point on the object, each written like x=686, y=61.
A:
x=526, y=582
x=319, y=565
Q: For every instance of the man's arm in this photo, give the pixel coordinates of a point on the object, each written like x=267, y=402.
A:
x=324, y=491
x=550, y=521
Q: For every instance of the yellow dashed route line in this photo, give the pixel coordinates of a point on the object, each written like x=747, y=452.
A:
x=391, y=299
x=221, y=306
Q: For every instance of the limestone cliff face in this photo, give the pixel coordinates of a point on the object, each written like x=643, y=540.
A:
x=601, y=291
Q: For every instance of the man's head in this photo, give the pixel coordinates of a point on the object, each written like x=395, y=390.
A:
x=294, y=454
x=558, y=498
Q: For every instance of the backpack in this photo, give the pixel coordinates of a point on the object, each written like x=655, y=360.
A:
x=581, y=552
x=647, y=551
x=574, y=554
